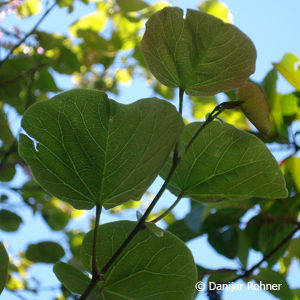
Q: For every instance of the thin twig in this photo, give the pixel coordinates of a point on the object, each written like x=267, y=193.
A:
x=166, y=212
x=28, y=34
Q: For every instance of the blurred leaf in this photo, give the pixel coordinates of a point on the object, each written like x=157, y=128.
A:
x=94, y=21
x=75, y=241
x=268, y=276
x=164, y=91
x=9, y=221
x=3, y=267
x=44, y=252
x=225, y=163
x=131, y=5
x=193, y=220
x=289, y=108
x=162, y=275
x=289, y=68
x=76, y=168
x=292, y=166
x=201, y=106
x=45, y=82
x=217, y=9
x=29, y=8
x=193, y=53
x=73, y=279
x=243, y=247
x=255, y=106
x=224, y=241
x=182, y=231
x=268, y=240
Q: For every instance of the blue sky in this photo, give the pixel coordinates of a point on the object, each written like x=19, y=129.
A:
x=273, y=26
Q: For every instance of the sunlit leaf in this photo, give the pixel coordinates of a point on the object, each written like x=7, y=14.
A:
x=9, y=221
x=29, y=8
x=95, y=150
x=255, y=106
x=289, y=68
x=94, y=21
x=165, y=270
x=44, y=252
x=199, y=53
x=217, y=9
x=3, y=267
x=225, y=163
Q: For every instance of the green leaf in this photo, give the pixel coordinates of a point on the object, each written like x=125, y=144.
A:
x=199, y=53
x=289, y=68
x=44, y=252
x=289, y=108
x=182, y=231
x=255, y=106
x=193, y=220
x=225, y=163
x=267, y=240
x=131, y=5
x=29, y=8
x=155, y=229
x=93, y=150
x=9, y=221
x=94, y=21
x=268, y=276
x=3, y=267
x=164, y=269
x=73, y=279
x=243, y=247
x=224, y=241
x=217, y=9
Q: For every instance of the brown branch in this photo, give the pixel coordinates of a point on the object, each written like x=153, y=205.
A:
x=28, y=34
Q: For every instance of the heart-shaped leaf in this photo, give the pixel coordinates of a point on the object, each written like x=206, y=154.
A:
x=199, y=53
x=225, y=163
x=91, y=149
x=255, y=106
x=150, y=267
x=3, y=267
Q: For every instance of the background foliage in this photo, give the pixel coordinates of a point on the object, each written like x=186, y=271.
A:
x=102, y=51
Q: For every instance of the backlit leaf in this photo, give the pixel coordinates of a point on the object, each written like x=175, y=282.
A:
x=217, y=9
x=199, y=53
x=29, y=8
x=289, y=68
x=225, y=163
x=45, y=252
x=255, y=106
x=3, y=267
x=150, y=267
x=94, y=150
x=94, y=21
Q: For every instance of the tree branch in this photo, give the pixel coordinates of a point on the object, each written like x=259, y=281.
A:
x=28, y=34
